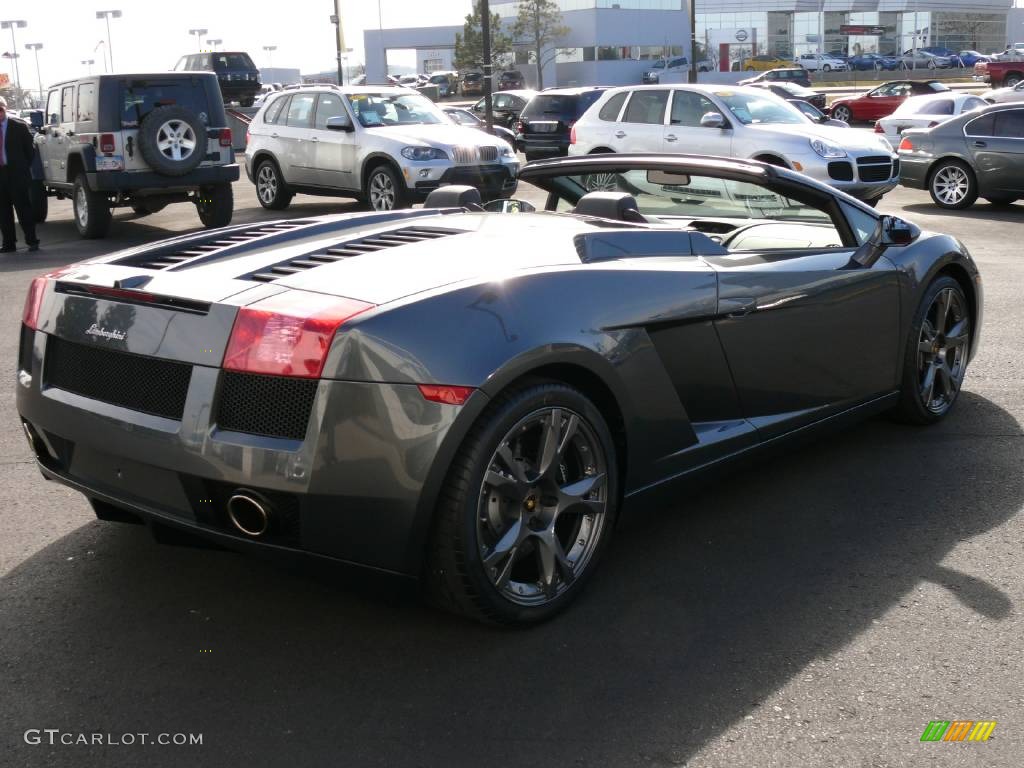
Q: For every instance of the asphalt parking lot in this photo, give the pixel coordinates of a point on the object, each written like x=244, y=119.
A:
x=816, y=610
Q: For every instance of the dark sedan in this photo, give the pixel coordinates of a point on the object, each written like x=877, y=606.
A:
x=505, y=105
x=797, y=75
x=873, y=61
x=470, y=394
x=794, y=91
x=465, y=117
x=975, y=155
x=545, y=125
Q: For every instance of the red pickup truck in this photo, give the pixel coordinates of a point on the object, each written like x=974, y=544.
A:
x=1001, y=74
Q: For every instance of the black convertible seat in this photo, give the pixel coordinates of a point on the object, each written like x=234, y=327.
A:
x=620, y=206
x=455, y=196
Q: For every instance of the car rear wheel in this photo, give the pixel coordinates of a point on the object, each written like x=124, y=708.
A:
x=215, y=205
x=528, y=507
x=271, y=190
x=1011, y=80
x=936, y=355
x=842, y=113
x=91, y=209
x=384, y=191
x=953, y=185
x=826, y=68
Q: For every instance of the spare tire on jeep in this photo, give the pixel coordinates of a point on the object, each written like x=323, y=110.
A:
x=172, y=140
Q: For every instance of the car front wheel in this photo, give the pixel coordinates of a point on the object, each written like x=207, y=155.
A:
x=842, y=113
x=528, y=507
x=953, y=185
x=936, y=355
x=384, y=190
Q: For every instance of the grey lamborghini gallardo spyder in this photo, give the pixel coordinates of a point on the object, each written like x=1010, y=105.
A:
x=468, y=394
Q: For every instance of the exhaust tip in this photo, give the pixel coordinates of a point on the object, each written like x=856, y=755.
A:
x=249, y=515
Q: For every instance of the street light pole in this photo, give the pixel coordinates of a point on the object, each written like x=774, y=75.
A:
x=199, y=35
x=215, y=42
x=485, y=29
x=11, y=24
x=270, y=54
x=108, y=15
x=89, y=63
x=339, y=33
x=35, y=47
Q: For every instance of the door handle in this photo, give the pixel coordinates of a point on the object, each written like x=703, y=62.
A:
x=671, y=137
x=737, y=307
x=980, y=144
x=620, y=134
x=314, y=139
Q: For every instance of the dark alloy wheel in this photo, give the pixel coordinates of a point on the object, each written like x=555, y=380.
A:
x=271, y=190
x=528, y=509
x=937, y=352
x=842, y=113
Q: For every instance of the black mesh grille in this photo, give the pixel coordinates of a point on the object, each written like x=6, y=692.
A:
x=140, y=383
x=840, y=170
x=874, y=168
x=274, y=406
x=25, y=348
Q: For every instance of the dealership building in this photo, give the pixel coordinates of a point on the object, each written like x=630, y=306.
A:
x=613, y=41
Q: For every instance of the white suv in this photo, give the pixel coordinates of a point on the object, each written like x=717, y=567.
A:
x=736, y=121
x=387, y=146
x=814, y=62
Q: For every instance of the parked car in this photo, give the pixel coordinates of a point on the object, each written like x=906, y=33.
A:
x=472, y=84
x=970, y=58
x=447, y=85
x=922, y=59
x=925, y=112
x=883, y=100
x=975, y=154
x=815, y=115
x=873, y=61
x=544, y=125
x=505, y=105
x=137, y=140
x=464, y=117
x=796, y=75
x=814, y=62
x=1004, y=73
x=1004, y=95
x=511, y=80
x=387, y=146
x=763, y=63
x=308, y=409
x=740, y=122
x=794, y=92
x=238, y=77
x=653, y=73
x=945, y=53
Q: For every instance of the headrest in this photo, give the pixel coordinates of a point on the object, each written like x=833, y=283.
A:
x=454, y=196
x=620, y=206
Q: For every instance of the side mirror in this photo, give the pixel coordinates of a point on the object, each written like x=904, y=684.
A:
x=895, y=232
x=54, y=119
x=712, y=120
x=340, y=123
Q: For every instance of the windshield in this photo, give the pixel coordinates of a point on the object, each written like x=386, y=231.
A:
x=755, y=109
x=659, y=64
x=382, y=109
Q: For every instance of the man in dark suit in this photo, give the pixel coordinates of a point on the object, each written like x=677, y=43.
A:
x=15, y=176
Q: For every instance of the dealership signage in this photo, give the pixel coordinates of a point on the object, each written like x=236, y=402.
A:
x=861, y=29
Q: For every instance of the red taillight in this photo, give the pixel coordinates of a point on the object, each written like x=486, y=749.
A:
x=445, y=394
x=288, y=334
x=905, y=145
x=879, y=128
x=107, y=145
x=572, y=134
x=34, y=299
x=225, y=137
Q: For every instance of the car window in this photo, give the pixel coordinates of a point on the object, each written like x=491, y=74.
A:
x=760, y=110
x=67, y=102
x=937, y=107
x=86, y=102
x=273, y=113
x=883, y=90
x=863, y=224
x=1010, y=124
x=384, y=109
x=689, y=107
x=936, y=87
x=610, y=111
x=646, y=107
x=140, y=97
x=300, y=111
x=182, y=63
x=232, y=61
x=982, y=126
x=973, y=103
x=584, y=100
x=204, y=62
x=52, y=106
x=327, y=105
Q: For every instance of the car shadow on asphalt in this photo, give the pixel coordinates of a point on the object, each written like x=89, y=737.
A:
x=980, y=211
x=701, y=611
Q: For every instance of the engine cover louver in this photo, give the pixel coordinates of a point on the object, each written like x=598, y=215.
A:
x=187, y=252
x=369, y=244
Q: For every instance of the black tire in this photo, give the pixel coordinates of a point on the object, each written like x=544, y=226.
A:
x=1001, y=201
x=1011, y=80
x=457, y=577
x=145, y=209
x=215, y=204
x=912, y=407
x=826, y=67
x=842, y=112
x=953, y=185
x=172, y=140
x=91, y=209
x=384, y=189
x=271, y=189
x=40, y=202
